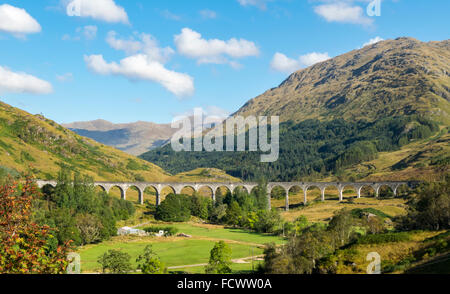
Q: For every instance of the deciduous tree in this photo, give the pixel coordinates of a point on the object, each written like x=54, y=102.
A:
x=220, y=259
x=149, y=262
x=25, y=247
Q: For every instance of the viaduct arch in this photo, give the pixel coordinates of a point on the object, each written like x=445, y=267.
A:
x=305, y=186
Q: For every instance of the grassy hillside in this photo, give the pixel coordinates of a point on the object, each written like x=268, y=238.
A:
x=406, y=256
x=205, y=175
x=425, y=160
x=390, y=78
x=36, y=145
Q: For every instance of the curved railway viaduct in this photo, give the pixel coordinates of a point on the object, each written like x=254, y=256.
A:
x=213, y=187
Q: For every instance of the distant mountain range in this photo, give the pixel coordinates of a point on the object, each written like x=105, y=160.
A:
x=133, y=138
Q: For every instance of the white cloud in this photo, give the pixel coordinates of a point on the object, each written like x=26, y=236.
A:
x=104, y=10
x=17, y=21
x=282, y=63
x=344, y=13
x=373, y=41
x=169, y=15
x=203, y=118
x=144, y=43
x=141, y=67
x=206, y=13
x=261, y=4
x=191, y=44
x=145, y=62
x=313, y=58
x=19, y=82
x=67, y=37
x=88, y=32
x=67, y=77
x=130, y=46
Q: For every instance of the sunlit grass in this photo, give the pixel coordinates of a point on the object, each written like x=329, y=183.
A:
x=172, y=251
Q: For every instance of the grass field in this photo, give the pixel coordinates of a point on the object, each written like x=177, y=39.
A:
x=175, y=251
x=227, y=234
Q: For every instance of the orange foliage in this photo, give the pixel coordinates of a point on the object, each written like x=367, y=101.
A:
x=24, y=246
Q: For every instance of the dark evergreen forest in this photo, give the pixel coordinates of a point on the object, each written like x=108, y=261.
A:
x=311, y=148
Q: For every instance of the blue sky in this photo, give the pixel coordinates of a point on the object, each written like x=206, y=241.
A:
x=126, y=61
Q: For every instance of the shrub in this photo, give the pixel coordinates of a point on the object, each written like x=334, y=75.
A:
x=133, y=165
x=220, y=259
x=429, y=210
x=360, y=212
x=149, y=262
x=267, y=221
x=175, y=208
x=384, y=238
x=168, y=231
x=115, y=261
x=25, y=246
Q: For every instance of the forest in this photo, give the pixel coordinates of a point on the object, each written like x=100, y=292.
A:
x=310, y=149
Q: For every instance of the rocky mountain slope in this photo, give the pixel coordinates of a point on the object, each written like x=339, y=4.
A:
x=390, y=78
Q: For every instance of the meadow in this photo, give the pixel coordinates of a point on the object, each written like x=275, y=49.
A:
x=179, y=251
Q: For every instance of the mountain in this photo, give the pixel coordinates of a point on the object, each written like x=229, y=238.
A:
x=376, y=112
x=389, y=78
x=133, y=138
x=33, y=144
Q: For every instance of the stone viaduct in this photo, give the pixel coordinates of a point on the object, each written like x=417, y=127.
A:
x=213, y=187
